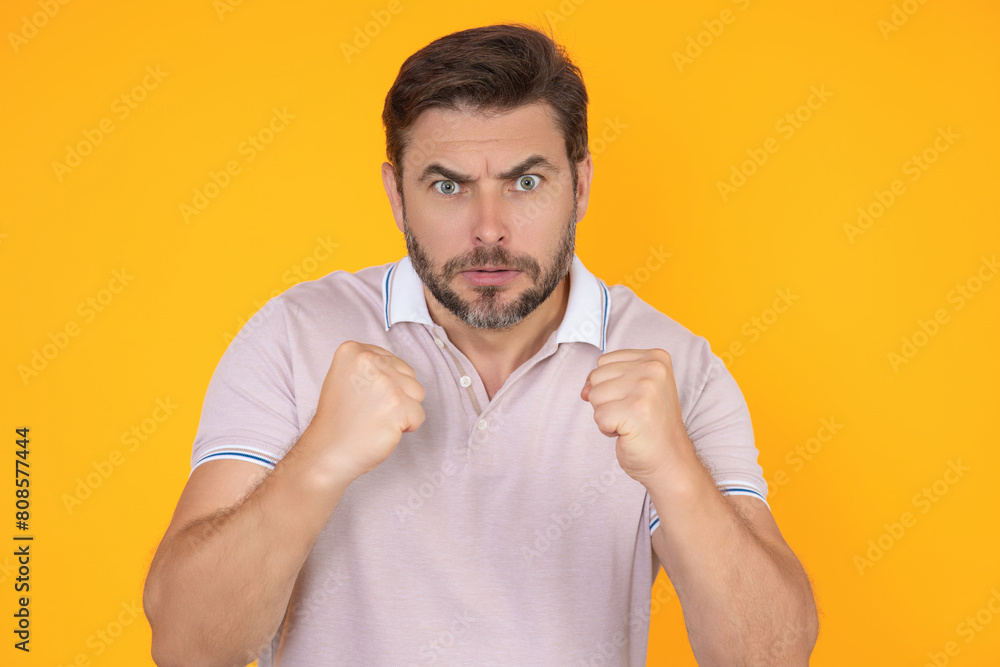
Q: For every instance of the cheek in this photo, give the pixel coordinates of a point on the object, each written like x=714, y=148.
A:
x=439, y=235
x=544, y=229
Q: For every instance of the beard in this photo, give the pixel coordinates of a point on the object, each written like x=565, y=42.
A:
x=487, y=310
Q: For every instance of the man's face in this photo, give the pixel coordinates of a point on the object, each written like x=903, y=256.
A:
x=489, y=210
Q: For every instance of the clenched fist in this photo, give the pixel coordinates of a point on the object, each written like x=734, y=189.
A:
x=635, y=399
x=370, y=397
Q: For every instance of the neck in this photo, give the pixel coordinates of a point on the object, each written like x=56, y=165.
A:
x=496, y=353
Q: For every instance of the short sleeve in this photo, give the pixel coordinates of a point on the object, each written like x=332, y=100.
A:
x=718, y=424
x=249, y=411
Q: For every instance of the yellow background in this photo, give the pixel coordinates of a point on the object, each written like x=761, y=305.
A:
x=670, y=131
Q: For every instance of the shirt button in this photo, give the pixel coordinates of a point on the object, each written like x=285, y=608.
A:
x=465, y=381
x=439, y=342
x=482, y=424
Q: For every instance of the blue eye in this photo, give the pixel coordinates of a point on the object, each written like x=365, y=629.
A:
x=446, y=187
x=527, y=182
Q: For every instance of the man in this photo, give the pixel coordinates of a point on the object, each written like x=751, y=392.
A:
x=458, y=457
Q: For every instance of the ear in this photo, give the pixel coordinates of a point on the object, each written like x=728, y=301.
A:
x=395, y=201
x=584, y=175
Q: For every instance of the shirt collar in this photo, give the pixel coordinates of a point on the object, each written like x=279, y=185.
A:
x=585, y=321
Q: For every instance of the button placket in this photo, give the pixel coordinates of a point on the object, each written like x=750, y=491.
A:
x=482, y=430
x=477, y=449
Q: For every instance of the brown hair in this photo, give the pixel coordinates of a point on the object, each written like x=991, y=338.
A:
x=494, y=68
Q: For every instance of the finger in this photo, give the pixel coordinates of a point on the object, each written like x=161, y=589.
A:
x=610, y=417
x=614, y=389
x=413, y=417
x=387, y=359
x=411, y=387
x=620, y=355
x=585, y=391
x=401, y=366
x=609, y=371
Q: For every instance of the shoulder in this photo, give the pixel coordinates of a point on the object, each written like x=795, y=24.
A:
x=341, y=293
x=365, y=283
x=339, y=302
x=633, y=323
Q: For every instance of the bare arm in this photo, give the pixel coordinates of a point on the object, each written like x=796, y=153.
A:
x=220, y=582
x=745, y=597
x=218, y=587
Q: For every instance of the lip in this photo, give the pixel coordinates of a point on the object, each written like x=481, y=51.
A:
x=490, y=276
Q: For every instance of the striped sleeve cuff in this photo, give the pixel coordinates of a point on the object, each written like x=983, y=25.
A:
x=238, y=453
x=728, y=488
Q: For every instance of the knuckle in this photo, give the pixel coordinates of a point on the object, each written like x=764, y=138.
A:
x=348, y=347
x=656, y=368
x=662, y=355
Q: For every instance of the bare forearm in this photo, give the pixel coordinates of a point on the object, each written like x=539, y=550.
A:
x=743, y=602
x=217, y=591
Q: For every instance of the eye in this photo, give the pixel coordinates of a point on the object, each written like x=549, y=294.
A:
x=527, y=182
x=446, y=187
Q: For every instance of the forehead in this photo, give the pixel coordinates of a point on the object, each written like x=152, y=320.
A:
x=478, y=140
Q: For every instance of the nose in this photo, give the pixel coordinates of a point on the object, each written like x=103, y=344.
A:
x=490, y=224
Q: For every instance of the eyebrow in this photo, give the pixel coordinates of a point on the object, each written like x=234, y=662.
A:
x=526, y=165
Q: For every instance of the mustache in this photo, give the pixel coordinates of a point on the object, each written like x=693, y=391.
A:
x=492, y=256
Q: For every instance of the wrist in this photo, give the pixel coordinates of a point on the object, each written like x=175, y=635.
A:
x=677, y=469
x=326, y=462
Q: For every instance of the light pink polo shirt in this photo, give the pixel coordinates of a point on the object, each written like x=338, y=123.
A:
x=501, y=532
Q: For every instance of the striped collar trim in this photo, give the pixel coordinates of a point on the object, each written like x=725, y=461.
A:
x=403, y=295
x=588, y=309
x=585, y=321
